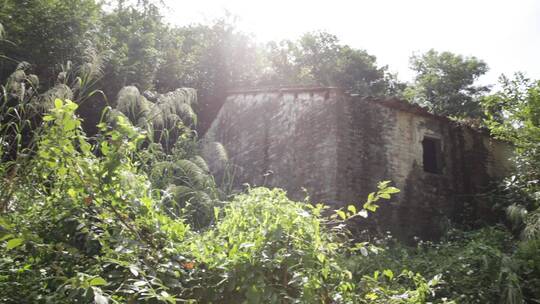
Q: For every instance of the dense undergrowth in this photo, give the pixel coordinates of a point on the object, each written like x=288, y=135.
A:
x=132, y=214
x=85, y=224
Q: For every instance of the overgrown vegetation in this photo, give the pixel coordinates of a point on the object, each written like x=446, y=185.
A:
x=82, y=223
x=104, y=197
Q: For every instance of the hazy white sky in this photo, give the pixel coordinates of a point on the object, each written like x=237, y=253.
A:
x=504, y=33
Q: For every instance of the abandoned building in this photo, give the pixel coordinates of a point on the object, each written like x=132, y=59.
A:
x=337, y=147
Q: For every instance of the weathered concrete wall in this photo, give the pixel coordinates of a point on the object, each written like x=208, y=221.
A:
x=290, y=133
x=382, y=140
x=339, y=147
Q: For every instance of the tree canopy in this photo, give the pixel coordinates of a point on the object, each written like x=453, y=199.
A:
x=445, y=83
x=47, y=34
x=318, y=58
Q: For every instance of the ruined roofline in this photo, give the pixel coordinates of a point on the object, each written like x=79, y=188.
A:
x=402, y=105
x=392, y=102
x=292, y=89
x=389, y=102
x=405, y=106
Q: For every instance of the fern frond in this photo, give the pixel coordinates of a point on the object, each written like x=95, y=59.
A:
x=516, y=214
x=166, y=117
x=180, y=95
x=180, y=192
x=191, y=174
x=59, y=91
x=532, y=225
x=177, y=105
x=510, y=282
x=216, y=155
x=133, y=105
x=194, y=205
x=92, y=68
x=201, y=163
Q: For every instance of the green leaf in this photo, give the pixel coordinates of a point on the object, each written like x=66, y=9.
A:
x=246, y=245
x=384, y=195
x=371, y=296
x=48, y=118
x=341, y=214
x=139, y=283
x=58, y=103
x=370, y=206
x=5, y=237
x=388, y=273
x=435, y=281
x=13, y=243
x=167, y=297
x=70, y=124
x=85, y=147
x=351, y=208
x=391, y=190
x=383, y=184
x=105, y=149
x=72, y=193
x=98, y=281
x=70, y=105
x=216, y=213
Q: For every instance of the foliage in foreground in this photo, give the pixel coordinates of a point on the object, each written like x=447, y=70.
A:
x=470, y=263
x=513, y=115
x=83, y=224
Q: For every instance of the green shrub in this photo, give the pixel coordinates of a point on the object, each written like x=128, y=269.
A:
x=82, y=228
x=474, y=267
x=83, y=224
x=268, y=249
x=528, y=264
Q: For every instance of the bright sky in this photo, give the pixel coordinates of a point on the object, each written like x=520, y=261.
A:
x=504, y=33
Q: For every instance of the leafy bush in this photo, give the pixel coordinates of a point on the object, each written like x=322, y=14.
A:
x=473, y=267
x=171, y=151
x=82, y=227
x=527, y=263
x=268, y=249
x=513, y=115
x=84, y=224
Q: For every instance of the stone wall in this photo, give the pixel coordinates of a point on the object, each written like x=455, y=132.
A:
x=339, y=147
x=282, y=138
x=382, y=140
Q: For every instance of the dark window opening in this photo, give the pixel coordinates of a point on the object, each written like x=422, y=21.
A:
x=432, y=155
